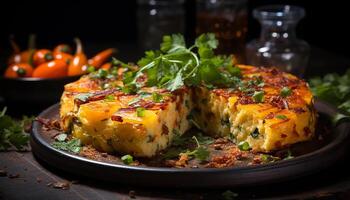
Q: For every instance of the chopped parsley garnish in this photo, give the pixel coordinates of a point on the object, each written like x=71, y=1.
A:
x=283, y=117
x=334, y=89
x=201, y=153
x=285, y=92
x=176, y=65
x=101, y=73
x=127, y=159
x=73, y=145
x=258, y=96
x=157, y=97
x=110, y=97
x=140, y=112
x=244, y=146
x=255, y=133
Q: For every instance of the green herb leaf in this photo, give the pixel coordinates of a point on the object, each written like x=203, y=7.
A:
x=285, y=92
x=283, y=117
x=175, y=65
x=201, y=153
x=73, y=145
x=12, y=132
x=258, y=96
x=140, y=112
x=127, y=159
x=61, y=137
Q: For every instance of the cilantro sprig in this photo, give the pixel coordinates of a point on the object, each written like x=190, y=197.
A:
x=334, y=89
x=12, y=132
x=175, y=65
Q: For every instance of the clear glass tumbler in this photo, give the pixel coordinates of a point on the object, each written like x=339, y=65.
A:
x=278, y=45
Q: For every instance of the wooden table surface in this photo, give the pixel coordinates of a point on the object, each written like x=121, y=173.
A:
x=29, y=178
x=22, y=176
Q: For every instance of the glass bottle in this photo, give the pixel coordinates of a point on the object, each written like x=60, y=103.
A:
x=156, y=18
x=278, y=45
x=228, y=20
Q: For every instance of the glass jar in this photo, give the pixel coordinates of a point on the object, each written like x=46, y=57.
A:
x=156, y=18
x=278, y=45
x=228, y=20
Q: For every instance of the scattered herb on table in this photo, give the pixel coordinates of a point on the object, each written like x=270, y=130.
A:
x=13, y=133
x=334, y=89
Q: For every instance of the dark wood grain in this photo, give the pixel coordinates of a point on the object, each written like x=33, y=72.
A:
x=334, y=183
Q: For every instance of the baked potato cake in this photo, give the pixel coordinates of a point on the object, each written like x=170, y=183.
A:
x=268, y=111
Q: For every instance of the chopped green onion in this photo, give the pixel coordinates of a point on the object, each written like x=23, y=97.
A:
x=110, y=97
x=285, y=92
x=244, y=146
x=127, y=159
x=258, y=96
x=283, y=117
x=140, y=112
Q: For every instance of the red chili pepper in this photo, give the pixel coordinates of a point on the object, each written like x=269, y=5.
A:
x=19, y=70
x=52, y=69
x=76, y=66
x=101, y=57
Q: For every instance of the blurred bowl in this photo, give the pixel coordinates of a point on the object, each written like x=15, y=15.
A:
x=32, y=94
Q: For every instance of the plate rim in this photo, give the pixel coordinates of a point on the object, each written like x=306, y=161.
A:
x=36, y=137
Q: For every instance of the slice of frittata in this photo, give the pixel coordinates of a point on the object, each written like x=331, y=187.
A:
x=113, y=121
x=268, y=111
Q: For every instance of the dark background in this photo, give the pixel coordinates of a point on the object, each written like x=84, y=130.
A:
x=114, y=22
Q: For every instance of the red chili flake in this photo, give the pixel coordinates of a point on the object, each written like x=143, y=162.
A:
x=270, y=116
x=246, y=100
x=298, y=110
x=283, y=135
x=165, y=130
x=117, y=118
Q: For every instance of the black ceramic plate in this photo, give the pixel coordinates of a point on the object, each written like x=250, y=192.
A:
x=302, y=165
